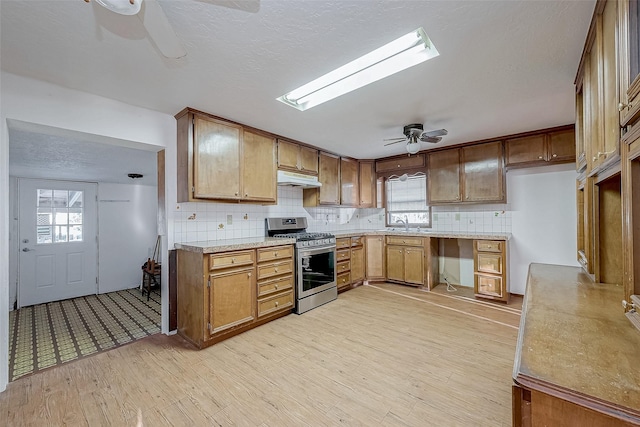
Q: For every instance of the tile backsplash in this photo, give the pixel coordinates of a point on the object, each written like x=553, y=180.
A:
x=197, y=221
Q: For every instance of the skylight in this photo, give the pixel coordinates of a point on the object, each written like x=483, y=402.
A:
x=400, y=54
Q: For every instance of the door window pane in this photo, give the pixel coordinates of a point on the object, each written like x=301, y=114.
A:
x=64, y=222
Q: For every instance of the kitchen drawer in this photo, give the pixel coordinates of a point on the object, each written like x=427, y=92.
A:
x=407, y=241
x=488, y=285
x=343, y=266
x=343, y=242
x=344, y=279
x=489, y=263
x=357, y=241
x=231, y=259
x=343, y=254
x=275, y=303
x=276, y=252
x=275, y=268
x=489, y=245
x=267, y=287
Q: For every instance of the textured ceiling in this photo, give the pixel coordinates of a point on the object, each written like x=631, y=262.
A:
x=55, y=155
x=504, y=66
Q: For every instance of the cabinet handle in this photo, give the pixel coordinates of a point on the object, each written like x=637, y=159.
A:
x=275, y=269
x=233, y=260
x=246, y=194
x=540, y=157
x=236, y=193
x=276, y=303
x=276, y=286
x=467, y=197
x=622, y=106
x=248, y=274
x=554, y=156
x=276, y=254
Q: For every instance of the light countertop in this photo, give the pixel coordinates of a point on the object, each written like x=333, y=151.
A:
x=226, y=245
x=436, y=234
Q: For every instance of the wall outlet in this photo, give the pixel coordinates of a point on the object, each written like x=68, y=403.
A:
x=229, y=219
x=457, y=217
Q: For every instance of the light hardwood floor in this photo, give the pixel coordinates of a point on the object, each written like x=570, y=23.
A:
x=384, y=355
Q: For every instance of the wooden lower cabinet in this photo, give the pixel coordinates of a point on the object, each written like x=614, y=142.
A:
x=375, y=260
x=412, y=260
x=490, y=269
x=220, y=295
x=349, y=262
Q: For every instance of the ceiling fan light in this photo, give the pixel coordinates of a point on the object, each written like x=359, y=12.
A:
x=122, y=7
x=413, y=147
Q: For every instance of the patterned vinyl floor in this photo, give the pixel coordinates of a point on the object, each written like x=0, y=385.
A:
x=45, y=335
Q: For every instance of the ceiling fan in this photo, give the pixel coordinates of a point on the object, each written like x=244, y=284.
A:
x=414, y=135
x=155, y=21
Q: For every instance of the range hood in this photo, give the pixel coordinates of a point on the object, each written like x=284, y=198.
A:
x=298, y=180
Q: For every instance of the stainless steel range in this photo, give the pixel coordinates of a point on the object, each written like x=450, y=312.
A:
x=315, y=261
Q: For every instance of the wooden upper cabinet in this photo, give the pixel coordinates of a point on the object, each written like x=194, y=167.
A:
x=367, y=184
x=629, y=61
x=349, y=182
x=297, y=158
x=470, y=174
x=540, y=149
x=329, y=177
x=527, y=149
x=216, y=159
x=443, y=176
x=400, y=163
x=219, y=160
x=483, y=173
x=259, y=167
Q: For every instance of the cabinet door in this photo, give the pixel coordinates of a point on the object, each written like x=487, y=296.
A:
x=414, y=265
x=483, y=178
x=288, y=154
x=349, y=185
x=611, y=118
x=375, y=257
x=528, y=149
x=629, y=58
x=357, y=264
x=232, y=299
x=562, y=146
x=395, y=267
x=594, y=102
x=367, y=185
x=444, y=176
x=216, y=159
x=259, y=168
x=329, y=176
x=308, y=160
x=581, y=109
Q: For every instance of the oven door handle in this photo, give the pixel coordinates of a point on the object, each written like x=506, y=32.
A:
x=316, y=251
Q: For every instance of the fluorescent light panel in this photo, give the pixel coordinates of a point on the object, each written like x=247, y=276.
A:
x=407, y=51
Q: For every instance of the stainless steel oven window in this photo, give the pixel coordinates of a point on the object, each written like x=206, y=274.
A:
x=316, y=269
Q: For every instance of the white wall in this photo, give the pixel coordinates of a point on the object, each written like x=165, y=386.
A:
x=544, y=220
x=127, y=216
x=42, y=103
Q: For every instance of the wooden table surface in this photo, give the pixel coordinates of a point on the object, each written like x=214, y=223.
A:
x=575, y=342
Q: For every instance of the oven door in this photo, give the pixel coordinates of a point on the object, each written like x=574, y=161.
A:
x=316, y=270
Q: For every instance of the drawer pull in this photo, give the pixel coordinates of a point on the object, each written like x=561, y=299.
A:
x=275, y=254
x=540, y=157
x=275, y=269
x=276, y=303
x=233, y=260
x=276, y=286
x=248, y=274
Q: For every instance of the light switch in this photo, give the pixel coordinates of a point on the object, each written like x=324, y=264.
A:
x=229, y=219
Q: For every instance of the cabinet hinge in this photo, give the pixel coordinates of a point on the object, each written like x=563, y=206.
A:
x=208, y=326
x=193, y=190
x=209, y=283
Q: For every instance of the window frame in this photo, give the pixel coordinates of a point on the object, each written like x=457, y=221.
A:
x=426, y=200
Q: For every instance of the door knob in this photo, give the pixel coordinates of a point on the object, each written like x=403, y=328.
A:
x=26, y=250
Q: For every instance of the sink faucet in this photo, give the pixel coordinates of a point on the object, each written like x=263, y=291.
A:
x=405, y=222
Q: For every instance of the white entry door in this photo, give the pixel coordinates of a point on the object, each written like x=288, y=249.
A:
x=58, y=240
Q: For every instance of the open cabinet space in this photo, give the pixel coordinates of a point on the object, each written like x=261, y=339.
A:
x=609, y=231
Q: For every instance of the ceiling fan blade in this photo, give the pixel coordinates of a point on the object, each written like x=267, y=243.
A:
x=394, y=139
x=251, y=6
x=438, y=132
x=395, y=142
x=160, y=31
x=431, y=139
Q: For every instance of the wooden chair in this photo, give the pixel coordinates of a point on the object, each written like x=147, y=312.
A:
x=151, y=271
